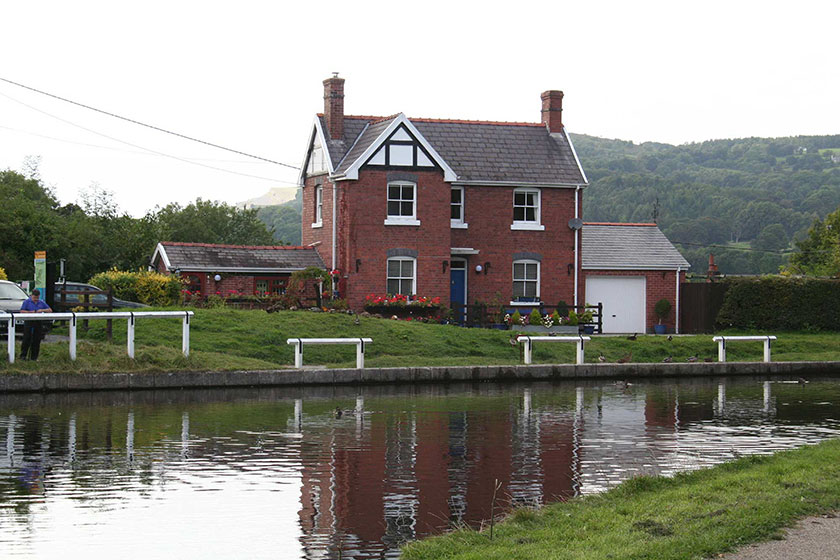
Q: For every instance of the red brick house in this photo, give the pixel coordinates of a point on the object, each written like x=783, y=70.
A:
x=462, y=210
x=238, y=269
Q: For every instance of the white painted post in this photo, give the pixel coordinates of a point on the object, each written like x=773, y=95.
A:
x=721, y=349
x=360, y=354
x=72, y=328
x=298, y=421
x=130, y=336
x=11, y=342
x=766, y=396
x=721, y=397
x=767, y=349
x=579, y=354
x=528, y=350
x=298, y=353
x=185, y=335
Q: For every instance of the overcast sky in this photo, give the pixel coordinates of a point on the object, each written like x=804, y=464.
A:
x=248, y=75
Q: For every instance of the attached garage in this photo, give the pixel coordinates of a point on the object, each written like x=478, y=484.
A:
x=624, y=301
x=628, y=268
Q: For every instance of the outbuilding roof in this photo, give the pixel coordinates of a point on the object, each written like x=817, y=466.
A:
x=477, y=151
x=616, y=246
x=206, y=257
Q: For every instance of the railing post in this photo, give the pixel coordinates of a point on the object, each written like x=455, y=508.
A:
x=360, y=354
x=299, y=353
x=722, y=349
x=10, y=344
x=185, y=335
x=72, y=328
x=528, y=354
x=767, y=349
x=600, y=318
x=579, y=354
x=130, y=336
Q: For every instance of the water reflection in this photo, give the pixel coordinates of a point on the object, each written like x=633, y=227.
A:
x=309, y=473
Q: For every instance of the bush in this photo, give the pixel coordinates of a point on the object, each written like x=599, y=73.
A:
x=535, y=317
x=779, y=303
x=144, y=286
x=662, y=308
x=3, y=274
x=516, y=319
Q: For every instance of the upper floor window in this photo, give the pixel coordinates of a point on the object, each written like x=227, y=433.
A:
x=401, y=150
x=402, y=203
x=526, y=281
x=319, y=205
x=401, y=276
x=456, y=208
x=526, y=209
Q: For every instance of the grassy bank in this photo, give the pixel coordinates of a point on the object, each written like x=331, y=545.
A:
x=232, y=339
x=695, y=515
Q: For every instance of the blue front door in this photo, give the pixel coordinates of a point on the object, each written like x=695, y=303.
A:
x=458, y=289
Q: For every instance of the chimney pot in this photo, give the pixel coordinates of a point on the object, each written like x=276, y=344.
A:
x=552, y=110
x=334, y=106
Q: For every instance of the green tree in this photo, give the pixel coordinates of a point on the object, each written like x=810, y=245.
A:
x=819, y=253
x=205, y=221
x=771, y=238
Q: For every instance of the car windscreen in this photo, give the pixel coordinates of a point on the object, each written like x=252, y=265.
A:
x=11, y=291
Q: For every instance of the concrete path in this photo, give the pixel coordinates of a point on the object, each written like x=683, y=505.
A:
x=814, y=538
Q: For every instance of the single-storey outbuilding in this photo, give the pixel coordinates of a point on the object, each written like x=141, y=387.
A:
x=629, y=267
x=233, y=269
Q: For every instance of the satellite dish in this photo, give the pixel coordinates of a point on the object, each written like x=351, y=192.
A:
x=575, y=223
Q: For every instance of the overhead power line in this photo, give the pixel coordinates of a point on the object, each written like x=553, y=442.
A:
x=153, y=127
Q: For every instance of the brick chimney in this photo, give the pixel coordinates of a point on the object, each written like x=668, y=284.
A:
x=334, y=105
x=552, y=110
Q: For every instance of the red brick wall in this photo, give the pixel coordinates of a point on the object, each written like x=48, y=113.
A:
x=659, y=284
x=229, y=283
x=323, y=235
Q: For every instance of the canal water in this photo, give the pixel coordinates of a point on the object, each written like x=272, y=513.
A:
x=355, y=472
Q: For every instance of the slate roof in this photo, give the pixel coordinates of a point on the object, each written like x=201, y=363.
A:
x=492, y=152
x=628, y=246
x=207, y=257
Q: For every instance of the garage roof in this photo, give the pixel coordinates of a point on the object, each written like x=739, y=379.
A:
x=615, y=246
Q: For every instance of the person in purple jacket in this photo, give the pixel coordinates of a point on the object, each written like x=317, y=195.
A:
x=32, y=329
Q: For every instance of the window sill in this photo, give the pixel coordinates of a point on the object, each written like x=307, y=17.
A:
x=402, y=222
x=458, y=225
x=317, y=225
x=519, y=226
x=526, y=303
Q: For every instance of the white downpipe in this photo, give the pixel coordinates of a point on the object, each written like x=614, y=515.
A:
x=677, y=305
x=577, y=238
x=334, y=219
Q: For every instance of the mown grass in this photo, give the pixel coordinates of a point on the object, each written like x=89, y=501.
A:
x=692, y=515
x=234, y=339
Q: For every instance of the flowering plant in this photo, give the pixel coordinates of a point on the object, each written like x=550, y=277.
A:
x=400, y=300
x=547, y=321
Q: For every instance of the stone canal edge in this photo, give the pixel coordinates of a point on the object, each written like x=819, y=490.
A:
x=49, y=382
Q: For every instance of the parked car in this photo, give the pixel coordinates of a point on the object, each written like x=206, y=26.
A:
x=96, y=297
x=11, y=298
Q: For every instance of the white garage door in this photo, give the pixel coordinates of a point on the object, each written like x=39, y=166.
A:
x=624, y=301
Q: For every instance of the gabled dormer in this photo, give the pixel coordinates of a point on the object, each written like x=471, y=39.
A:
x=399, y=150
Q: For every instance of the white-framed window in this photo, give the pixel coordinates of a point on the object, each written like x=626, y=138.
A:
x=402, y=204
x=456, y=208
x=526, y=281
x=319, y=205
x=401, y=276
x=526, y=209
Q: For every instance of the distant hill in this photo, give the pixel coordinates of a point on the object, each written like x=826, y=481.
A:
x=745, y=200
x=285, y=219
x=274, y=197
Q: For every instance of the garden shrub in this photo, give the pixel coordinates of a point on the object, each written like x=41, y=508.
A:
x=780, y=303
x=143, y=286
x=3, y=274
x=536, y=317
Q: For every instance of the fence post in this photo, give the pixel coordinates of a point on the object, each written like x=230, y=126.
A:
x=600, y=318
x=722, y=349
x=767, y=349
x=72, y=327
x=579, y=354
x=528, y=354
x=109, y=328
x=130, y=336
x=360, y=354
x=299, y=353
x=185, y=335
x=11, y=342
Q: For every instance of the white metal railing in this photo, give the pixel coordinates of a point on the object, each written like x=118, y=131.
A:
x=721, y=340
x=529, y=344
x=359, y=342
x=72, y=320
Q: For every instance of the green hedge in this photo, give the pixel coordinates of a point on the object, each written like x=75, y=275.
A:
x=144, y=286
x=780, y=303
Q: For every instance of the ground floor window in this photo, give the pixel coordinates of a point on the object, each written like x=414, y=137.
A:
x=401, y=276
x=270, y=286
x=526, y=281
x=193, y=284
